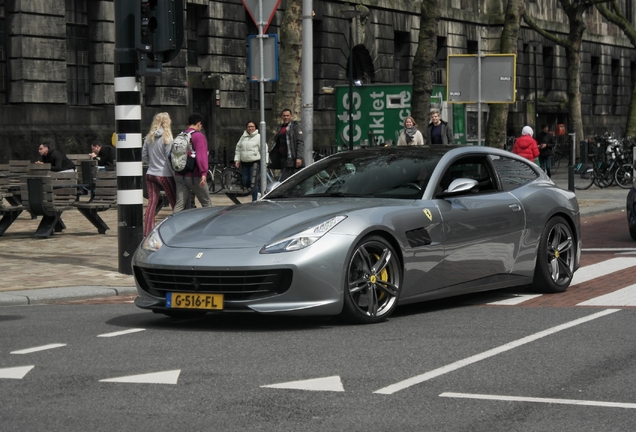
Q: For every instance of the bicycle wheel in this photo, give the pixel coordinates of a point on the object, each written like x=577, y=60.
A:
x=604, y=178
x=584, y=179
x=556, y=163
x=624, y=176
x=215, y=180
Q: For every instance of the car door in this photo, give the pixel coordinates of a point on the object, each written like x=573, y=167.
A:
x=482, y=227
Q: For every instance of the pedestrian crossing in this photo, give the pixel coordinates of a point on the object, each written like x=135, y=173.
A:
x=591, y=275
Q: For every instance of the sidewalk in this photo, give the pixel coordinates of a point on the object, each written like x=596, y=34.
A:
x=79, y=263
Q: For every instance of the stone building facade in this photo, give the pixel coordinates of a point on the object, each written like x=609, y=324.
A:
x=57, y=57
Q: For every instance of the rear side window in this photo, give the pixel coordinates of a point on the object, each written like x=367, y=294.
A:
x=513, y=173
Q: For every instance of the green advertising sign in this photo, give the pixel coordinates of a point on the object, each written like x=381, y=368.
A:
x=379, y=111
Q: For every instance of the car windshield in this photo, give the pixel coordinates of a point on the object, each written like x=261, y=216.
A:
x=383, y=173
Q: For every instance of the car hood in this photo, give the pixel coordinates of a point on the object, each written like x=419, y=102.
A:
x=255, y=224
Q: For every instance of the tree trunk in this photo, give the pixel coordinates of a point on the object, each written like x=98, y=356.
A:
x=424, y=61
x=289, y=87
x=616, y=16
x=498, y=117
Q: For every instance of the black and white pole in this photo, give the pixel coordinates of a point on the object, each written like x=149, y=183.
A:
x=129, y=141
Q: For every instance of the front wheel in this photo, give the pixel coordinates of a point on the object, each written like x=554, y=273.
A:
x=624, y=176
x=556, y=257
x=215, y=181
x=373, y=281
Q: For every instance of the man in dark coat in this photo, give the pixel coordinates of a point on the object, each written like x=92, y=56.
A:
x=289, y=147
x=546, y=144
x=104, y=154
x=58, y=160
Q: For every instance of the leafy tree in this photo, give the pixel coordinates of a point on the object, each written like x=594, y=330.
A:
x=424, y=60
x=616, y=16
x=574, y=9
x=498, y=117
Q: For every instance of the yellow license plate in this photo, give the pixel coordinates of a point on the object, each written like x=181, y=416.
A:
x=194, y=301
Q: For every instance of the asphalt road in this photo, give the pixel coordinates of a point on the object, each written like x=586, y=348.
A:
x=498, y=361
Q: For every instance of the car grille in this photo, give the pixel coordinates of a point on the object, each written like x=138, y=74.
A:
x=233, y=284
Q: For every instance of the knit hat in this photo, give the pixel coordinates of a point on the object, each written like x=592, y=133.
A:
x=527, y=130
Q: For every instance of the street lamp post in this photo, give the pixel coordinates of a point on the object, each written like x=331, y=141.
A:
x=350, y=15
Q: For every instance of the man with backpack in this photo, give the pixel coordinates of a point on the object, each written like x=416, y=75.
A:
x=189, y=159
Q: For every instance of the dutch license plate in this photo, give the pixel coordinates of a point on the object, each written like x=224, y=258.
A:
x=194, y=301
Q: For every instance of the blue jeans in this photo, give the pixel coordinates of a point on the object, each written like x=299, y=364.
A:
x=545, y=163
x=247, y=171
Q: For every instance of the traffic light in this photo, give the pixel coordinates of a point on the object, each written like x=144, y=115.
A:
x=148, y=23
x=160, y=31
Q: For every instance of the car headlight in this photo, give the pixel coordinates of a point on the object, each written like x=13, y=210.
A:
x=153, y=241
x=303, y=239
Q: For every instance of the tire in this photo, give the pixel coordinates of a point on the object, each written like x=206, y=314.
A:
x=373, y=280
x=632, y=232
x=215, y=181
x=556, y=256
x=624, y=176
x=583, y=180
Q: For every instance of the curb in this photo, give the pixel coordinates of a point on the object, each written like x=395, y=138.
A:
x=47, y=295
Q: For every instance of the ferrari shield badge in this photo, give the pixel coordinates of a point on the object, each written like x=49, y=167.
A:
x=199, y=255
x=428, y=214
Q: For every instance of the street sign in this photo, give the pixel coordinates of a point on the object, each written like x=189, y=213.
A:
x=269, y=9
x=270, y=58
x=498, y=72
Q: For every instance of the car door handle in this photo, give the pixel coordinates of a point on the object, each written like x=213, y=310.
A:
x=515, y=207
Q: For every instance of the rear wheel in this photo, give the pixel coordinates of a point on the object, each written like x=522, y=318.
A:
x=624, y=176
x=583, y=180
x=373, y=282
x=556, y=257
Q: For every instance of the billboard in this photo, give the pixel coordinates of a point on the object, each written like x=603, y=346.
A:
x=498, y=73
x=378, y=112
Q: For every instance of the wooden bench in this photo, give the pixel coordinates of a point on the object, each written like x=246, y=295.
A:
x=48, y=194
x=9, y=209
x=104, y=197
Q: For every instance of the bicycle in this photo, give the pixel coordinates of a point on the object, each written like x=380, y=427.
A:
x=215, y=179
x=603, y=174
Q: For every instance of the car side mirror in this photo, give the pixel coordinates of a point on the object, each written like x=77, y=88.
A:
x=460, y=185
x=271, y=187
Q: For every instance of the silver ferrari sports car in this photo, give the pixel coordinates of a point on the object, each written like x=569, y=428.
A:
x=360, y=232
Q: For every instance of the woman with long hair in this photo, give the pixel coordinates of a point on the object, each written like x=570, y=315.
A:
x=410, y=134
x=154, y=153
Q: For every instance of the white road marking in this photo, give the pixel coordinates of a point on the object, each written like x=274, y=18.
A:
x=40, y=348
x=15, y=372
x=120, y=333
x=622, y=297
x=540, y=400
x=332, y=383
x=604, y=268
x=608, y=250
x=515, y=300
x=393, y=388
x=167, y=377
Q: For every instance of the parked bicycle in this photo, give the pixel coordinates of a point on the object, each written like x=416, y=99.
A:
x=603, y=173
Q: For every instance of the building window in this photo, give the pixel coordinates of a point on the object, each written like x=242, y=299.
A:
x=253, y=88
x=472, y=47
x=629, y=11
x=595, y=70
x=3, y=57
x=548, y=69
x=616, y=74
x=401, y=57
x=194, y=13
x=77, y=45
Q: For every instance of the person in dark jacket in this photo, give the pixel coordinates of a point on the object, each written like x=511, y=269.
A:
x=438, y=131
x=546, y=144
x=58, y=160
x=105, y=155
x=287, y=154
